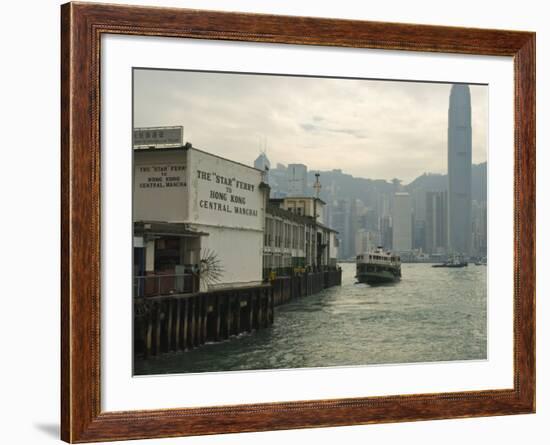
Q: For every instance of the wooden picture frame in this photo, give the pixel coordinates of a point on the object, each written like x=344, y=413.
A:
x=82, y=26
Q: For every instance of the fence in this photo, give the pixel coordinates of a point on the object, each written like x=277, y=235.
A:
x=164, y=284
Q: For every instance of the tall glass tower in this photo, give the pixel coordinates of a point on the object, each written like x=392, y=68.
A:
x=263, y=164
x=459, y=168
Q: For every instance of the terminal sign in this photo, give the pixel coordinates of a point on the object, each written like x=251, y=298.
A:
x=232, y=196
x=158, y=137
x=160, y=176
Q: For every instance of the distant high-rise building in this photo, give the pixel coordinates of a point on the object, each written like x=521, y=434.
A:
x=402, y=223
x=278, y=181
x=262, y=163
x=365, y=241
x=386, y=234
x=459, y=166
x=436, y=222
x=397, y=187
x=479, y=214
x=483, y=230
x=479, y=228
x=419, y=234
x=340, y=220
x=366, y=217
x=297, y=179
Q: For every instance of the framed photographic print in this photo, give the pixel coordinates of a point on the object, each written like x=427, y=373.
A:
x=276, y=222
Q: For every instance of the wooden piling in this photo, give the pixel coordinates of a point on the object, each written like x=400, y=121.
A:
x=205, y=319
x=270, y=305
x=149, y=334
x=238, y=313
x=157, y=330
x=185, y=323
x=169, y=304
x=266, y=307
x=259, y=309
x=218, y=310
x=192, y=303
x=198, y=334
x=177, y=325
x=229, y=316
x=250, y=311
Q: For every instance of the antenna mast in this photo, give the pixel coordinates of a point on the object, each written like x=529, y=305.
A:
x=317, y=185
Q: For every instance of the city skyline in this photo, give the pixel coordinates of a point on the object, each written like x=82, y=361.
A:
x=372, y=125
x=311, y=170
x=433, y=218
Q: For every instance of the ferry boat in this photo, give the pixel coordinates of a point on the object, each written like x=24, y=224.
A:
x=378, y=267
x=453, y=261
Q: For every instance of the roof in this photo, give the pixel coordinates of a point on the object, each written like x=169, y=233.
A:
x=304, y=197
x=166, y=229
x=326, y=227
x=190, y=147
x=289, y=215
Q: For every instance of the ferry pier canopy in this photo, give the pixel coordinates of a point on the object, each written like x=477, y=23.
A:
x=203, y=222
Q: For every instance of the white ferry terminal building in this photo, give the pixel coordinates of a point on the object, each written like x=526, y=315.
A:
x=203, y=222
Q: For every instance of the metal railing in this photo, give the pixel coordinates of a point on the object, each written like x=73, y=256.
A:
x=165, y=284
x=268, y=272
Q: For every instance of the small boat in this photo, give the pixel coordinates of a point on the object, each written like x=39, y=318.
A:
x=378, y=267
x=481, y=262
x=453, y=261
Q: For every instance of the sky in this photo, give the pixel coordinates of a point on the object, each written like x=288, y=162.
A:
x=368, y=128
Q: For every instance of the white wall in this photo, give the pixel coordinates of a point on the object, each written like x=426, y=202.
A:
x=166, y=203
x=238, y=251
x=30, y=81
x=230, y=183
x=234, y=237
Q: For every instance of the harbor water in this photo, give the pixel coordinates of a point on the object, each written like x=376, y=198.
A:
x=432, y=314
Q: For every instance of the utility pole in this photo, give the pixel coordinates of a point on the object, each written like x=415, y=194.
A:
x=317, y=186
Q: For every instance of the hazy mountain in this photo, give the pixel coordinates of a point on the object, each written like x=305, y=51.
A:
x=339, y=185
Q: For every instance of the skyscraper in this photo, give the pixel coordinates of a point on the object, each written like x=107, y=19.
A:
x=459, y=166
x=436, y=222
x=340, y=220
x=402, y=222
x=366, y=240
x=386, y=232
x=297, y=180
x=262, y=163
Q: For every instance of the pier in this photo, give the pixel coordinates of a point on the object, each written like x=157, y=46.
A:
x=190, y=281
x=180, y=322
x=287, y=288
x=317, y=331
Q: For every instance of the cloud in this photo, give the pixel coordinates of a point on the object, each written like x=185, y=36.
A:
x=377, y=129
x=350, y=132
x=309, y=127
